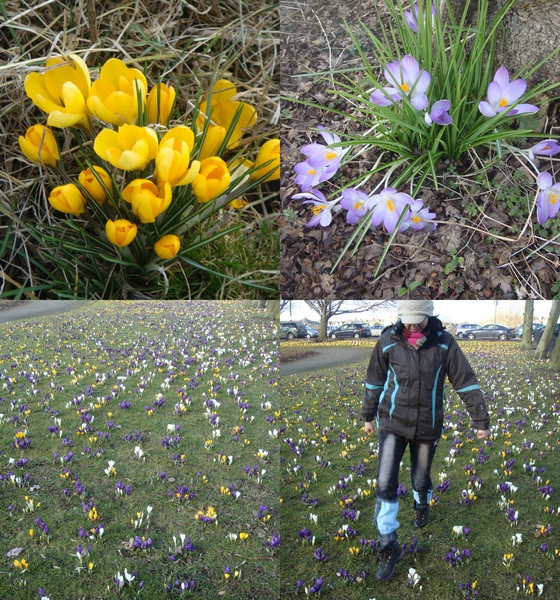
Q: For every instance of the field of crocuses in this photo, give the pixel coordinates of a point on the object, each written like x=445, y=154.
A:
x=135, y=453
x=495, y=517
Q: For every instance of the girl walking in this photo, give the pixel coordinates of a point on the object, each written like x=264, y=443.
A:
x=404, y=393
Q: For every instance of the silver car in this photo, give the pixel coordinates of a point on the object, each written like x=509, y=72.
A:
x=462, y=330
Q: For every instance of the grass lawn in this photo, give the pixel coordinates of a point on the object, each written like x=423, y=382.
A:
x=124, y=406
x=502, y=492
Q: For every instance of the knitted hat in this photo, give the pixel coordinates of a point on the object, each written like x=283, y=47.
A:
x=412, y=312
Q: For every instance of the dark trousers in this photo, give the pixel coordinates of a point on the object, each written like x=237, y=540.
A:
x=391, y=451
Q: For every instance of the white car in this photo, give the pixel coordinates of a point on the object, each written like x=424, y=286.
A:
x=376, y=330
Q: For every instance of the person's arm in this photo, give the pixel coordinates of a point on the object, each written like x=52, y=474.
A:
x=465, y=383
x=375, y=382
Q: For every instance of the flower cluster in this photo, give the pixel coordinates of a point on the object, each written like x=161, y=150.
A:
x=420, y=115
x=146, y=169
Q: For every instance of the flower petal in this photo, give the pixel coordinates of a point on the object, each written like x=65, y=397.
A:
x=410, y=68
x=421, y=85
x=380, y=99
x=523, y=109
x=502, y=77
x=419, y=101
x=494, y=93
x=514, y=90
x=486, y=109
x=544, y=180
x=394, y=73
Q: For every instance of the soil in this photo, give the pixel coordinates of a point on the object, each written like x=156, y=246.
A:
x=293, y=357
x=459, y=259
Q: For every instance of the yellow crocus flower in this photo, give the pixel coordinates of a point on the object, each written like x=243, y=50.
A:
x=62, y=91
x=130, y=148
x=114, y=97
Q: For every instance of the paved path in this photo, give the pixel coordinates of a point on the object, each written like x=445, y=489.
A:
x=325, y=358
x=40, y=308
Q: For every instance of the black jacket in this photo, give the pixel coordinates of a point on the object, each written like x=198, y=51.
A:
x=404, y=385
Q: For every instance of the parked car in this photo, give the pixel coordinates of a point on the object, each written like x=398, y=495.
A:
x=291, y=330
x=376, y=330
x=311, y=333
x=536, y=327
x=355, y=330
x=492, y=332
x=462, y=330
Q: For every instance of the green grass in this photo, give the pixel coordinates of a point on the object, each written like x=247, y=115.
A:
x=95, y=359
x=321, y=417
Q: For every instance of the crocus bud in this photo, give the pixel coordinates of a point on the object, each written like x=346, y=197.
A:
x=223, y=110
x=269, y=151
x=68, y=199
x=120, y=232
x=39, y=145
x=212, y=180
x=213, y=138
x=148, y=201
x=173, y=155
x=167, y=246
x=92, y=185
x=160, y=103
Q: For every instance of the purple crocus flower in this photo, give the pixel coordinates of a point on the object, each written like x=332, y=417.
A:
x=321, y=164
x=502, y=94
x=309, y=176
x=419, y=216
x=356, y=203
x=439, y=113
x=544, y=148
x=389, y=205
x=319, y=155
x=321, y=209
x=411, y=16
x=548, y=200
x=409, y=81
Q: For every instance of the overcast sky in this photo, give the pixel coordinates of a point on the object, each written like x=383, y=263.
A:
x=449, y=311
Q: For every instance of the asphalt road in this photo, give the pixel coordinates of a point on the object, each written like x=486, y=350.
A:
x=39, y=308
x=325, y=358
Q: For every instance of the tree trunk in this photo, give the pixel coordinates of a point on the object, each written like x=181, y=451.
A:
x=273, y=309
x=532, y=31
x=555, y=356
x=527, y=338
x=542, y=348
x=324, y=323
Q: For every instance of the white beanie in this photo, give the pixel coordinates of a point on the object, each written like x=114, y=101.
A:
x=412, y=312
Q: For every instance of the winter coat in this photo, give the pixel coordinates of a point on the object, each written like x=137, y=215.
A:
x=405, y=385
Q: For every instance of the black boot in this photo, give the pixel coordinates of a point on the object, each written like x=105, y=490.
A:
x=390, y=556
x=421, y=512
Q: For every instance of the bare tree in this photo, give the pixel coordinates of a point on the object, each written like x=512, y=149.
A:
x=544, y=343
x=527, y=337
x=329, y=308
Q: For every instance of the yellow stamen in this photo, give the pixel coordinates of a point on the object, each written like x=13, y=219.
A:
x=390, y=206
x=503, y=102
x=552, y=198
x=330, y=155
x=317, y=209
x=311, y=172
x=416, y=219
x=357, y=205
x=405, y=88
